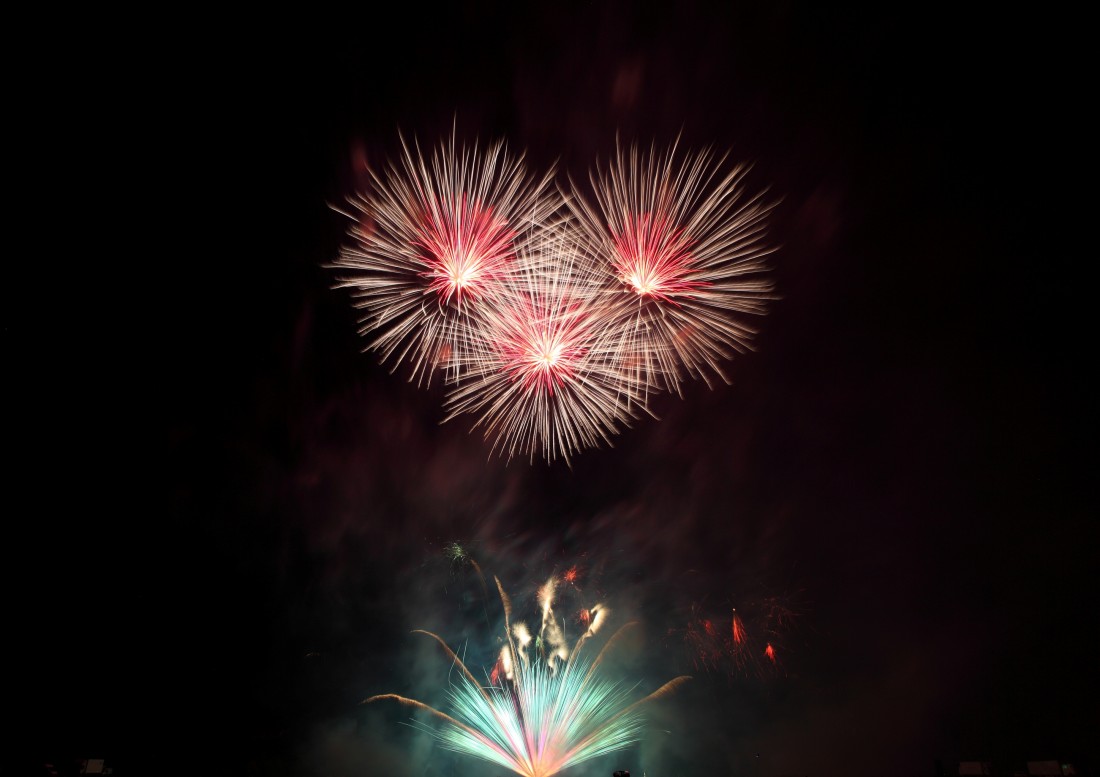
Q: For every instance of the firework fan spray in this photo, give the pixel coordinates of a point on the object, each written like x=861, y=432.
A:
x=550, y=708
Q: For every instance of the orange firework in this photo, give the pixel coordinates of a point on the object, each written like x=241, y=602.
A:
x=746, y=646
x=738, y=629
x=701, y=640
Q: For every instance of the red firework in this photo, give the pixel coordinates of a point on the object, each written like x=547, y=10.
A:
x=432, y=238
x=497, y=672
x=740, y=648
x=544, y=371
x=684, y=255
x=653, y=257
x=748, y=645
x=539, y=348
x=466, y=249
x=738, y=629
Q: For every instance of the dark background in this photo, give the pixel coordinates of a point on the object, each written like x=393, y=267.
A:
x=224, y=519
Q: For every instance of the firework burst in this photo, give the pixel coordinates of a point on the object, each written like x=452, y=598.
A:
x=683, y=252
x=551, y=319
x=546, y=373
x=430, y=241
x=538, y=716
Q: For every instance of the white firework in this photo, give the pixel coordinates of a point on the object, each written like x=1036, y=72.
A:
x=546, y=375
x=683, y=254
x=431, y=240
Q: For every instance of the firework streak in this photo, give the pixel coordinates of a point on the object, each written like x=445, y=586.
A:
x=552, y=320
x=545, y=707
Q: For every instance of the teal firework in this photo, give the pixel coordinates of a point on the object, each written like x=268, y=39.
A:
x=540, y=717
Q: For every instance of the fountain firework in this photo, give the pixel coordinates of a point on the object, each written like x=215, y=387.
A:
x=545, y=706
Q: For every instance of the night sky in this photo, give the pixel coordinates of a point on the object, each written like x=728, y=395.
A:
x=225, y=518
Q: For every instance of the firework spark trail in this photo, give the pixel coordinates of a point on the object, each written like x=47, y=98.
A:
x=543, y=718
x=683, y=253
x=751, y=644
x=431, y=239
x=741, y=649
x=738, y=629
x=546, y=373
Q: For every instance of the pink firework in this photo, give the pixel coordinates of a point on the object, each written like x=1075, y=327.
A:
x=541, y=349
x=431, y=240
x=653, y=258
x=466, y=250
x=545, y=369
x=683, y=254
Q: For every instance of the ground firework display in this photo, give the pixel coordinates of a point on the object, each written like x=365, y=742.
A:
x=545, y=705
